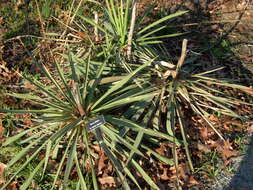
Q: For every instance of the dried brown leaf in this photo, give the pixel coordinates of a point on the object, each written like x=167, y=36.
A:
x=1, y=129
x=226, y=150
x=248, y=90
x=164, y=175
x=82, y=35
x=2, y=168
x=107, y=180
x=250, y=129
x=101, y=162
x=12, y=186
x=192, y=181
x=213, y=118
x=29, y=86
x=203, y=147
x=1, y=20
x=204, y=133
x=229, y=125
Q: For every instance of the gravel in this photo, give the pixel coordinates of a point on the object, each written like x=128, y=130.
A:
x=241, y=178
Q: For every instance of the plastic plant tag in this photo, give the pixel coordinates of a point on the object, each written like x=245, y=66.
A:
x=95, y=123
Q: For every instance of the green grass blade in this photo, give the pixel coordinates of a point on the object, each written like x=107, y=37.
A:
x=27, y=182
x=170, y=120
x=24, y=151
x=62, y=160
x=136, y=127
x=160, y=37
x=160, y=157
x=130, y=175
x=65, y=129
x=94, y=83
x=93, y=24
x=38, y=100
x=70, y=160
x=94, y=177
x=50, y=77
x=64, y=81
x=182, y=126
x=23, y=166
x=18, y=136
x=150, y=33
x=112, y=9
x=126, y=16
x=162, y=20
x=136, y=145
x=117, y=165
x=87, y=70
x=150, y=42
x=80, y=175
x=119, y=84
x=44, y=89
x=48, y=150
x=27, y=111
x=144, y=175
x=120, y=140
x=124, y=101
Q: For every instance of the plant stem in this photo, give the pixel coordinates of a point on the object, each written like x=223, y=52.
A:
x=131, y=30
x=96, y=29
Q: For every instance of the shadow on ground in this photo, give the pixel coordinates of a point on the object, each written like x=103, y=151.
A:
x=243, y=178
x=222, y=44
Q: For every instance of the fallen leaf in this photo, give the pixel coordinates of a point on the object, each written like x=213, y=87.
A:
x=82, y=35
x=192, y=181
x=250, y=129
x=2, y=168
x=233, y=125
x=1, y=129
x=203, y=147
x=29, y=86
x=101, y=162
x=225, y=149
x=12, y=186
x=107, y=180
x=183, y=170
x=213, y=118
x=161, y=150
x=204, y=133
x=96, y=148
x=164, y=176
x=247, y=90
x=1, y=20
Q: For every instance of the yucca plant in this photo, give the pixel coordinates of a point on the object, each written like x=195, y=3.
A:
x=126, y=31
x=181, y=88
x=77, y=114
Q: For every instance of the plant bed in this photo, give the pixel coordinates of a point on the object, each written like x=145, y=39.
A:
x=113, y=109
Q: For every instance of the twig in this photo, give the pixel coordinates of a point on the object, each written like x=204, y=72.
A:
x=183, y=54
x=131, y=30
x=182, y=57
x=40, y=18
x=96, y=29
x=38, y=37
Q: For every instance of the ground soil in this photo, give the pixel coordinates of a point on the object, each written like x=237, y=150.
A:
x=236, y=26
